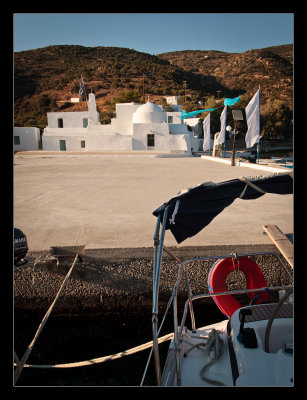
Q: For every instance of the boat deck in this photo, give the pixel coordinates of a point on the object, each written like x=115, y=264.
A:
x=236, y=364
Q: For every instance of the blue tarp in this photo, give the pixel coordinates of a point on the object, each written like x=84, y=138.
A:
x=187, y=115
x=231, y=102
x=227, y=102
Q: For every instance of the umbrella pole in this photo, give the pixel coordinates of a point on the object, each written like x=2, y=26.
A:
x=156, y=278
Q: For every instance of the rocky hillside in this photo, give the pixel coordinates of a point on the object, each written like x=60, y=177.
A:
x=47, y=78
x=271, y=68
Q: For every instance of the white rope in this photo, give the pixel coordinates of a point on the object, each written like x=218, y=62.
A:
x=249, y=183
x=215, y=342
x=22, y=362
x=99, y=360
x=172, y=220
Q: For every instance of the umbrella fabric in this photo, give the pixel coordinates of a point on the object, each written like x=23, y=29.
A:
x=189, y=212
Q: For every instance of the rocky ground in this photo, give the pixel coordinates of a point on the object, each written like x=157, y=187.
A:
x=116, y=280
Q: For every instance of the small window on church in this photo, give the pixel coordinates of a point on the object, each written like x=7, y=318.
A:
x=60, y=123
x=170, y=119
x=82, y=144
x=85, y=122
x=151, y=140
x=16, y=140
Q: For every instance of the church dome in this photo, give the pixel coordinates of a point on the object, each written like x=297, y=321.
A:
x=149, y=113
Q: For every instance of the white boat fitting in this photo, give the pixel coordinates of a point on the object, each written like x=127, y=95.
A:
x=254, y=345
x=252, y=348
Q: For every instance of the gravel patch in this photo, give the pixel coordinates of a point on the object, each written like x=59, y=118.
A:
x=99, y=285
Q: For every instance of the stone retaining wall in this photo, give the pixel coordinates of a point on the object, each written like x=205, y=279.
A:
x=121, y=279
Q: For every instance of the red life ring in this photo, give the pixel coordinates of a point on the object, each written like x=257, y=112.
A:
x=217, y=282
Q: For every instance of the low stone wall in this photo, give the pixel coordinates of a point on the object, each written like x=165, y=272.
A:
x=121, y=279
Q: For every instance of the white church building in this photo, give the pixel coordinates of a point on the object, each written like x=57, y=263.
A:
x=136, y=127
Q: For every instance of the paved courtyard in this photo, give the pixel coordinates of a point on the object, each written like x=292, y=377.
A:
x=106, y=201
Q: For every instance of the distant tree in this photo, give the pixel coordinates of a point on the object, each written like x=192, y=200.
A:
x=106, y=116
x=210, y=102
x=276, y=120
x=214, y=117
x=128, y=96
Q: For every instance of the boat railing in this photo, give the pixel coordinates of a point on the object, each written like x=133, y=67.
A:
x=183, y=268
x=232, y=255
x=188, y=305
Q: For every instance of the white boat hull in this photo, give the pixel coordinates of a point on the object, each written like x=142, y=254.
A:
x=236, y=365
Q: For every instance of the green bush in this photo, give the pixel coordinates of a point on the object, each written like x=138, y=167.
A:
x=128, y=97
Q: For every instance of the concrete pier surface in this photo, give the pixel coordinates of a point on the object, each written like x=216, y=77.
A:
x=106, y=200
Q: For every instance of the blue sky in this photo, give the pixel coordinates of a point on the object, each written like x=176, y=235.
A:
x=154, y=33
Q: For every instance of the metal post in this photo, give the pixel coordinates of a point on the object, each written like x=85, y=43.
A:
x=258, y=150
x=190, y=296
x=185, y=87
x=237, y=116
x=143, y=88
x=176, y=341
x=154, y=316
x=156, y=277
x=156, y=244
x=157, y=272
x=258, y=144
x=233, y=156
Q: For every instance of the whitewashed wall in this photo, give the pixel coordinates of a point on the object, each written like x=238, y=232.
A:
x=178, y=129
x=100, y=130
x=64, y=131
x=175, y=115
x=172, y=99
x=109, y=142
x=123, y=122
x=125, y=110
x=127, y=131
x=140, y=132
x=194, y=124
x=180, y=143
x=70, y=119
x=29, y=138
x=73, y=142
